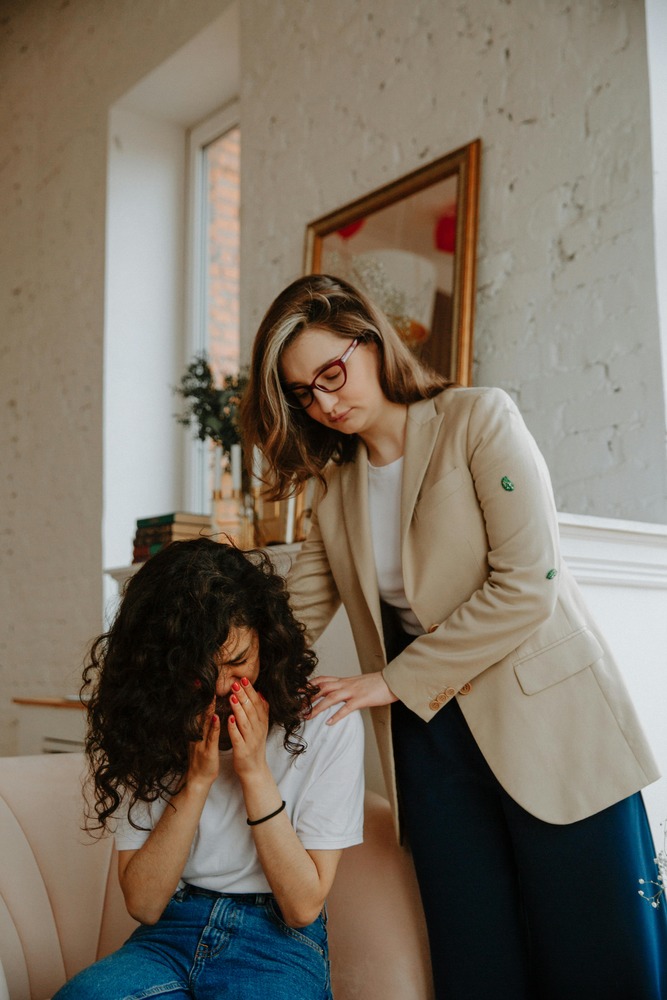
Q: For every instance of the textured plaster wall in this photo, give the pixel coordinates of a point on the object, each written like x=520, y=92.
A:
x=63, y=63
x=338, y=99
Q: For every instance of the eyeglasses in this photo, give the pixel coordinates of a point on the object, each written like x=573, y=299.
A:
x=330, y=379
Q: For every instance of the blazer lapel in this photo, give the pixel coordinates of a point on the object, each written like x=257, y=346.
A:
x=420, y=436
x=354, y=489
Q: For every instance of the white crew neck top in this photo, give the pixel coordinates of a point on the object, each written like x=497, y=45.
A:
x=384, y=502
x=323, y=788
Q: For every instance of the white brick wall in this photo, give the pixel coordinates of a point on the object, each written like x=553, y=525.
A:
x=62, y=66
x=338, y=99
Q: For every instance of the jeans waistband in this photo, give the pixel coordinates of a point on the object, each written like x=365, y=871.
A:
x=249, y=898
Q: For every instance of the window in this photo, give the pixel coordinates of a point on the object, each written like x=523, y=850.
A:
x=213, y=299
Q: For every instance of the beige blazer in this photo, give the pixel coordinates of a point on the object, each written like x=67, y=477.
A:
x=508, y=632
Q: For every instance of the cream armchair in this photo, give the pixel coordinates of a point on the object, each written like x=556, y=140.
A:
x=61, y=907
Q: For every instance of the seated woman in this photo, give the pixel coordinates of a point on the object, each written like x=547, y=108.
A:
x=230, y=812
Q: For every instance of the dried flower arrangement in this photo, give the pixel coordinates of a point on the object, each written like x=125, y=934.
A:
x=660, y=884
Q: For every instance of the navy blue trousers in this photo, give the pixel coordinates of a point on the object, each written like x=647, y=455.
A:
x=519, y=909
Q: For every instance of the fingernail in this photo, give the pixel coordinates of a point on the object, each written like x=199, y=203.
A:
x=234, y=700
x=214, y=718
x=232, y=720
x=245, y=682
x=236, y=686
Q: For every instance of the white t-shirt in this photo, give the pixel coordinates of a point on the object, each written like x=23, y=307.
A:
x=384, y=504
x=323, y=788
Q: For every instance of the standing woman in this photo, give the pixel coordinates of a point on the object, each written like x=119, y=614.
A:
x=512, y=755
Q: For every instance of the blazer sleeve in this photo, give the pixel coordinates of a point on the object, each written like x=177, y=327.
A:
x=313, y=593
x=513, y=491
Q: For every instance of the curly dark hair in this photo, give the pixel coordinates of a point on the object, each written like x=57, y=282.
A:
x=153, y=674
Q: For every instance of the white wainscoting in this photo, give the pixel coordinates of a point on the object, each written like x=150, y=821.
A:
x=621, y=567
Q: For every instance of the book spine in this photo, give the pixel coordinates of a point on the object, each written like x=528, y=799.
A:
x=142, y=552
x=149, y=536
x=177, y=518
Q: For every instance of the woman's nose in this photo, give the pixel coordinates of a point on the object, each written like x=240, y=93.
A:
x=223, y=686
x=325, y=400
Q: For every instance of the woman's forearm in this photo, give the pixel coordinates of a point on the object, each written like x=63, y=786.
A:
x=149, y=876
x=296, y=882
x=314, y=597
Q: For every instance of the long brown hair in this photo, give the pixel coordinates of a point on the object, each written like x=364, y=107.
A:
x=295, y=446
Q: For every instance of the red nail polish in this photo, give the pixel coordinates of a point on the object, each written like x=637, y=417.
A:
x=214, y=718
x=236, y=686
x=245, y=682
x=232, y=720
x=234, y=700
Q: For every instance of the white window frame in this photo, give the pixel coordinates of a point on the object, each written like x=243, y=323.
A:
x=196, y=333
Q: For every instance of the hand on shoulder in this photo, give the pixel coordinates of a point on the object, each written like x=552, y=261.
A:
x=360, y=691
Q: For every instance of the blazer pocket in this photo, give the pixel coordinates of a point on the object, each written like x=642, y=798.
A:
x=557, y=662
x=440, y=490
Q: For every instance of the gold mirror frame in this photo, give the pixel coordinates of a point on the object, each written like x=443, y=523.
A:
x=413, y=224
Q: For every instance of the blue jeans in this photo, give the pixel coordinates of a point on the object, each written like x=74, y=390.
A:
x=208, y=945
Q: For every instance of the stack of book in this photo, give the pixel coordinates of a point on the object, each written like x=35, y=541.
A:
x=154, y=533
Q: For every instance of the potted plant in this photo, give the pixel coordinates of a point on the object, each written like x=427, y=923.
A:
x=213, y=410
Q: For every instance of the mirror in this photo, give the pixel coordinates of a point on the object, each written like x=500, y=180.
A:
x=411, y=245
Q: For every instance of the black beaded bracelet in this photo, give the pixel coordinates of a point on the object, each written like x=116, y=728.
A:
x=255, y=822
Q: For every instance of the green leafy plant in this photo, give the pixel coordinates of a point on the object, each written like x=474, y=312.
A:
x=212, y=409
